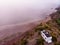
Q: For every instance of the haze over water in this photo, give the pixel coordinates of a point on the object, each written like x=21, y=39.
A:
x=19, y=11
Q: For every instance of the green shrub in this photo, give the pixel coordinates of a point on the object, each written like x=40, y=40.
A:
x=57, y=43
x=46, y=26
x=54, y=39
x=39, y=28
x=29, y=34
x=24, y=42
x=39, y=42
x=58, y=21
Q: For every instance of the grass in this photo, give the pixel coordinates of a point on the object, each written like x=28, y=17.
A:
x=58, y=21
x=24, y=42
x=39, y=41
x=54, y=39
x=58, y=43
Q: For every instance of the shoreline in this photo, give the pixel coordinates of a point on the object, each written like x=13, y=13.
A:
x=7, y=31
x=30, y=26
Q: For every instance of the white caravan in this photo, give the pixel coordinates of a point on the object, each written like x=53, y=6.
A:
x=46, y=36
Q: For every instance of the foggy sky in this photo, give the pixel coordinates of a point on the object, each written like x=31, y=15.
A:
x=18, y=11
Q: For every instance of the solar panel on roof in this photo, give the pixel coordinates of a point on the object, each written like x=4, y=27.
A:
x=46, y=33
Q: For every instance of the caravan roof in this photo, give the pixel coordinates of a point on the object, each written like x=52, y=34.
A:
x=46, y=33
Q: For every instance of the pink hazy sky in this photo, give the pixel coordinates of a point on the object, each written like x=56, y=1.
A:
x=16, y=11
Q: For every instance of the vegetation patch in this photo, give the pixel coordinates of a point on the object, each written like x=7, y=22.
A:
x=39, y=41
x=54, y=39
x=58, y=43
x=58, y=21
x=24, y=42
